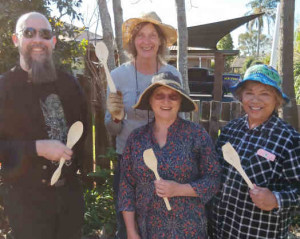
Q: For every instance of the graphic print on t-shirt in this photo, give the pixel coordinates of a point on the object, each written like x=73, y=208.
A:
x=55, y=119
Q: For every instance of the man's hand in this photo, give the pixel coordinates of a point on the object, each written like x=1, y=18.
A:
x=263, y=198
x=53, y=150
x=115, y=104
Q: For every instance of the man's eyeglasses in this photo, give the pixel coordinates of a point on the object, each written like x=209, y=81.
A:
x=30, y=32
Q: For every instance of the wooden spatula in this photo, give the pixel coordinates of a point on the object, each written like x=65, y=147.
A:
x=102, y=54
x=232, y=157
x=151, y=162
x=74, y=135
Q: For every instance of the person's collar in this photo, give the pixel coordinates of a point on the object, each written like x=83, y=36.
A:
x=267, y=126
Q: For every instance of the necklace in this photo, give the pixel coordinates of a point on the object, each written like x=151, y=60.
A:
x=137, y=91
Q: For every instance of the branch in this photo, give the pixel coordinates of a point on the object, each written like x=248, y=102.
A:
x=192, y=5
x=137, y=1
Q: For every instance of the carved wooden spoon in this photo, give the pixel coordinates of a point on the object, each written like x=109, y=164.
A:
x=102, y=54
x=151, y=162
x=232, y=157
x=74, y=135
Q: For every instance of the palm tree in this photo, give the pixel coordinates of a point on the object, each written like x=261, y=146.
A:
x=268, y=7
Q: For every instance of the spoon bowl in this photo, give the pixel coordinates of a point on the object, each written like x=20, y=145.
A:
x=232, y=157
x=74, y=135
x=151, y=162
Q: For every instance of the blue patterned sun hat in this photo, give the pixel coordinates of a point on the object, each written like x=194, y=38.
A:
x=264, y=74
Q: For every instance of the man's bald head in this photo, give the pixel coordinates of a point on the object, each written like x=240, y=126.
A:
x=30, y=15
x=35, y=41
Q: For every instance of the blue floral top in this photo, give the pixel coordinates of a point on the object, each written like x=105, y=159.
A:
x=187, y=157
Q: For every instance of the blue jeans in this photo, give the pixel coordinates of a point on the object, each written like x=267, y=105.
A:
x=121, y=228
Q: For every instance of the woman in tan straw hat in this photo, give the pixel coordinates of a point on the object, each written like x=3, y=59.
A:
x=187, y=165
x=146, y=40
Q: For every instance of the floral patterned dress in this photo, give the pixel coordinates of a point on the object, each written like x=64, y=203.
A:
x=187, y=157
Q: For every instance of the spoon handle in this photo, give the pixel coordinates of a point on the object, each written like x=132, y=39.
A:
x=113, y=89
x=57, y=172
x=165, y=198
x=110, y=82
x=245, y=177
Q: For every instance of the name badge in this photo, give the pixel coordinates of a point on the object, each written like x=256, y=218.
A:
x=266, y=154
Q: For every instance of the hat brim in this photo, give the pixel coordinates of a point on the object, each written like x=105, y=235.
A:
x=187, y=104
x=128, y=26
x=259, y=80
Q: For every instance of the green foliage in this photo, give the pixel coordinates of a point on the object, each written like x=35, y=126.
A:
x=99, y=202
x=66, y=53
x=250, y=61
x=268, y=7
x=248, y=40
x=99, y=210
x=226, y=43
x=297, y=64
x=297, y=81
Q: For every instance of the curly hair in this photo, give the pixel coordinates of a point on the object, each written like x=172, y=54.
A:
x=162, y=50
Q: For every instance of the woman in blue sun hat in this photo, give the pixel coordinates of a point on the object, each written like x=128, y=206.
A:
x=269, y=150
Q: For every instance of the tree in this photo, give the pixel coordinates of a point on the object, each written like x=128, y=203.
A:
x=267, y=7
x=108, y=36
x=286, y=59
x=226, y=43
x=297, y=64
x=118, y=16
x=182, y=43
x=247, y=43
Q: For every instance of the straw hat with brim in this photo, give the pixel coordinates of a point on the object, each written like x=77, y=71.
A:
x=171, y=81
x=128, y=26
x=264, y=74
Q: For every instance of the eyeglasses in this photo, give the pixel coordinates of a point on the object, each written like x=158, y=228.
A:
x=30, y=32
x=172, y=97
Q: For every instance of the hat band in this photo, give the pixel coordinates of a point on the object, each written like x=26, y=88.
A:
x=165, y=82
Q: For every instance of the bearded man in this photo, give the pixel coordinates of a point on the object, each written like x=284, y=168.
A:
x=38, y=104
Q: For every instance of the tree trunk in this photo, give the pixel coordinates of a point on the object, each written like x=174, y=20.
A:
x=118, y=16
x=182, y=43
x=108, y=36
x=258, y=40
x=286, y=59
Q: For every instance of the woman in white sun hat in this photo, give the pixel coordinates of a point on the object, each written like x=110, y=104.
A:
x=146, y=40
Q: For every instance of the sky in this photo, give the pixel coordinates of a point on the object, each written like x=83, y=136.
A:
x=197, y=12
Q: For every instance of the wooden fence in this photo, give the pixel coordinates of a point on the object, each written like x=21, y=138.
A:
x=213, y=115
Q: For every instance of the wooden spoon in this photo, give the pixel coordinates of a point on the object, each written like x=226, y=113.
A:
x=102, y=54
x=232, y=157
x=74, y=135
x=151, y=162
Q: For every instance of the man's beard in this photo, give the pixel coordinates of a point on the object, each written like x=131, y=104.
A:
x=42, y=70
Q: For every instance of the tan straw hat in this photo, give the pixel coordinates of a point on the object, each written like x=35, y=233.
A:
x=128, y=26
x=171, y=81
